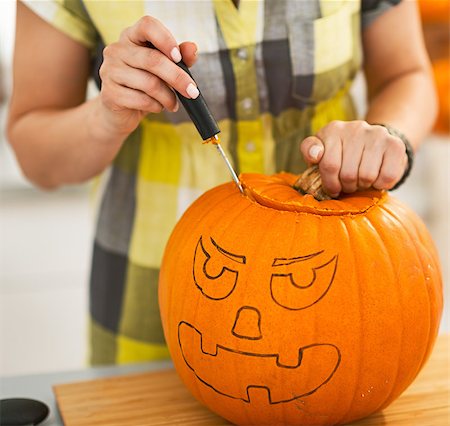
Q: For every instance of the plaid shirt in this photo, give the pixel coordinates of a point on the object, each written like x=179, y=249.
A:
x=272, y=72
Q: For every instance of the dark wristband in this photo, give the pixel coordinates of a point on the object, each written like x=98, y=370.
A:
x=409, y=152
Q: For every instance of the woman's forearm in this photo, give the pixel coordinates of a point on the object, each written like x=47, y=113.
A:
x=56, y=147
x=407, y=103
x=59, y=138
x=398, y=73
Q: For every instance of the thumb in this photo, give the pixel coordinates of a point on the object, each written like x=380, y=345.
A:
x=189, y=53
x=312, y=149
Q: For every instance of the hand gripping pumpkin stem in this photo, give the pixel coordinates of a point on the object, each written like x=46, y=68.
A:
x=310, y=182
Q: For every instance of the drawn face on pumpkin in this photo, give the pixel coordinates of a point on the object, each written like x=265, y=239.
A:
x=251, y=345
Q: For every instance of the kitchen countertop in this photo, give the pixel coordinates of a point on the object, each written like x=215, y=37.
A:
x=39, y=386
x=426, y=402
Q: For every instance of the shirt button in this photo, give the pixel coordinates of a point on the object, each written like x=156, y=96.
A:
x=247, y=103
x=242, y=53
x=250, y=146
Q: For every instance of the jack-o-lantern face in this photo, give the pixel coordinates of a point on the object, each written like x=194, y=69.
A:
x=216, y=274
x=279, y=309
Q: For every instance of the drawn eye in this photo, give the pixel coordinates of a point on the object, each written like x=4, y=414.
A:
x=215, y=269
x=302, y=281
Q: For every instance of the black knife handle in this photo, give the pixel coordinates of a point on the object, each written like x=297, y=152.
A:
x=197, y=109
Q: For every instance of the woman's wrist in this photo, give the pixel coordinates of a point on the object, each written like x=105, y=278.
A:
x=101, y=125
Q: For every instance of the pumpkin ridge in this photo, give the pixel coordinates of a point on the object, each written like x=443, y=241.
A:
x=419, y=251
x=348, y=240
x=394, y=382
x=397, y=390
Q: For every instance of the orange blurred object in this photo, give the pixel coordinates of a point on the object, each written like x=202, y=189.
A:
x=436, y=20
x=434, y=10
x=441, y=70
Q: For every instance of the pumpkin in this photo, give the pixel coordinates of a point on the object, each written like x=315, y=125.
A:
x=279, y=309
x=435, y=16
x=441, y=71
x=434, y=10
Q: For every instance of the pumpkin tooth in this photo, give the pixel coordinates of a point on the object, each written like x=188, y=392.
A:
x=289, y=359
x=208, y=346
x=259, y=395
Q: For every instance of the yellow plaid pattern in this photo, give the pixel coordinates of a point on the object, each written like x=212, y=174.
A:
x=273, y=72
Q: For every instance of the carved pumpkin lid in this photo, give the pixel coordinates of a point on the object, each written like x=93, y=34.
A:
x=277, y=192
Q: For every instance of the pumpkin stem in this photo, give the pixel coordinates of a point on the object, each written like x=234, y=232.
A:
x=310, y=182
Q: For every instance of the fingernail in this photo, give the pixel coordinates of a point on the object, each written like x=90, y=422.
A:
x=176, y=55
x=315, y=151
x=192, y=91
x=175, y=108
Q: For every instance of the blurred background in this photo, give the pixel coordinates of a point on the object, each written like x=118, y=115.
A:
x=45, y=245
x=45, y=237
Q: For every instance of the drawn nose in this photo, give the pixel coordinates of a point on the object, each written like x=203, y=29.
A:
x=247, y=324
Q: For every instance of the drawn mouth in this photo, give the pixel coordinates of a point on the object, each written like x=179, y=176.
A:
x=316, y=365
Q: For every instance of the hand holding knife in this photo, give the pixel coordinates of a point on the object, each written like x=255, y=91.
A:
x=205, y=123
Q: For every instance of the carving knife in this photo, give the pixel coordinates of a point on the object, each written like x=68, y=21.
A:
x=205, y=123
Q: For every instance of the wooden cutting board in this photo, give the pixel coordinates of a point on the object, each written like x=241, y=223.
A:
x=160, y=398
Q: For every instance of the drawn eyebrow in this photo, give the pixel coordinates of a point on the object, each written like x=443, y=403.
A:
x=284, y=261
x=234, y=257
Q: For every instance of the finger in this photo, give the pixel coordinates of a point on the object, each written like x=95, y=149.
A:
x=118, y=98
x=312, y=149
x=149, y=29
x=153, y=61
x=393, y=166
x=351, y=159
x=148, y=83
x=369, y=167
x=330, y=165
x=189, y=53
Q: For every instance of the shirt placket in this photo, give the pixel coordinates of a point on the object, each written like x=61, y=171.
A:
x=239, y=32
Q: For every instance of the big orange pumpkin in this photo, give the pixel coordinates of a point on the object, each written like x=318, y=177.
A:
x=434, y=10
x=282, y=310
x=441, y=71
x=436, y=20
